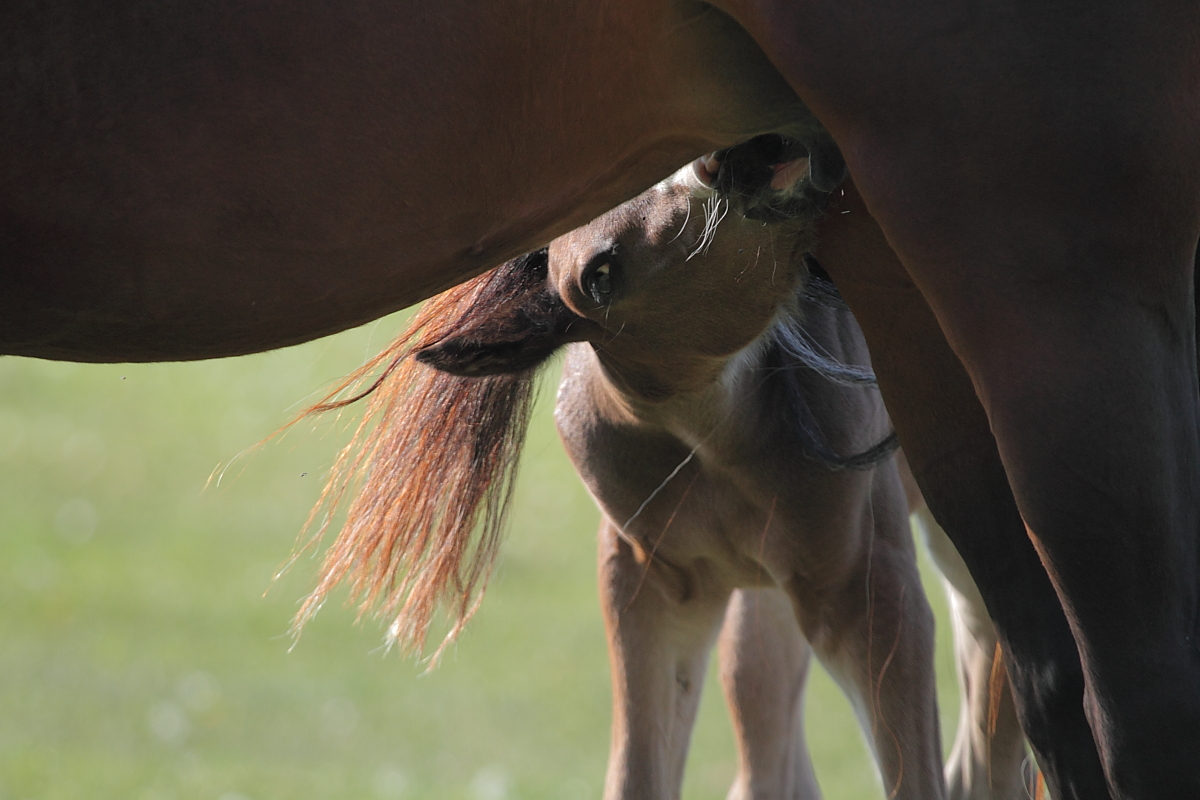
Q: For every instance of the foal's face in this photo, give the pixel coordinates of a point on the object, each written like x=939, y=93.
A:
x=669, y=275
x=665, y=288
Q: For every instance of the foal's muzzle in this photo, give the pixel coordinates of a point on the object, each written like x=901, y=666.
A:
x=756, y=177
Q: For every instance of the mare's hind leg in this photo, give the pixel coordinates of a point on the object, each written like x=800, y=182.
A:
x=764, y=666
x=988, y=757
x=661, y=623
x=862, y=607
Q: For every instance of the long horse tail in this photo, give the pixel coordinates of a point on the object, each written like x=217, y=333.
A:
x=430, y=468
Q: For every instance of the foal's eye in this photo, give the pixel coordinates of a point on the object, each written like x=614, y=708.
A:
x=598, y=283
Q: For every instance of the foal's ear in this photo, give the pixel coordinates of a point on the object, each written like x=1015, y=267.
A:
x=516, y=324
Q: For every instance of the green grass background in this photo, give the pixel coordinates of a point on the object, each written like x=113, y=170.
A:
x=140, y=659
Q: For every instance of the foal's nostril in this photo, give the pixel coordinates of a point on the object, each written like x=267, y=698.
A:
x=707, y=169
x=762, y=181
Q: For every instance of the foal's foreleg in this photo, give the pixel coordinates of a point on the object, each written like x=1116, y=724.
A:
x=661, y=624
x=988, y=756
x=764, y=666
x=874, y=633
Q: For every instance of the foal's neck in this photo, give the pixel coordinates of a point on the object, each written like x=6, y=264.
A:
x=766, y=403
x=694, y=397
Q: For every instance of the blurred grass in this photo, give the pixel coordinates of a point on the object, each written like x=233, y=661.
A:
x=140, y=659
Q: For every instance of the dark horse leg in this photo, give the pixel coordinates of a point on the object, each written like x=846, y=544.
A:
x=951, y=451
x=1037, y=170
x=1091, y=394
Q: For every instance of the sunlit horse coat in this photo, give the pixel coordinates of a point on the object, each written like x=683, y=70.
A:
x=707, y=403
x=197, y=179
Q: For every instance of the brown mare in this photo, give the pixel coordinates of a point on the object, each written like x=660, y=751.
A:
x=704, y=400
x=197, y=179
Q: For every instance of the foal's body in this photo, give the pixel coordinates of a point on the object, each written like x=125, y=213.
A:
x=750, y=509
x=713, y=502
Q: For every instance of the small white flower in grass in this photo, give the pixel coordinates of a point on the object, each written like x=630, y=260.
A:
x=168, y=722
x=199, y=692
x=490, y=783
x=390, y=783
x=339, y=717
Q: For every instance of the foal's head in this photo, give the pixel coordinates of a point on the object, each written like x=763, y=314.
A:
x=664, y=287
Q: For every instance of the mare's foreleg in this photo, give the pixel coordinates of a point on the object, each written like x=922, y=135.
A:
x=764, y=666
x=988, y=757
x=1093, y=402
x=661, y=624
x=1076, y=326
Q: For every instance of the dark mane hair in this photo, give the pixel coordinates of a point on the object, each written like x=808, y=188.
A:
x=790, y=352
x=430, y=468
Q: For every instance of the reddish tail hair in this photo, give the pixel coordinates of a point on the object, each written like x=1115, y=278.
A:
x=431, y=469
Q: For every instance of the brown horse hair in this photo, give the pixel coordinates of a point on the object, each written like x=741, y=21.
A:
x=431, y=468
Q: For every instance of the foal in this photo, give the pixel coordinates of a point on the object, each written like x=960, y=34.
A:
x=706, y=405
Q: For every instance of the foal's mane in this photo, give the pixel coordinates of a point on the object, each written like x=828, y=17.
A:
x=789, y=351
x=430, y=468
